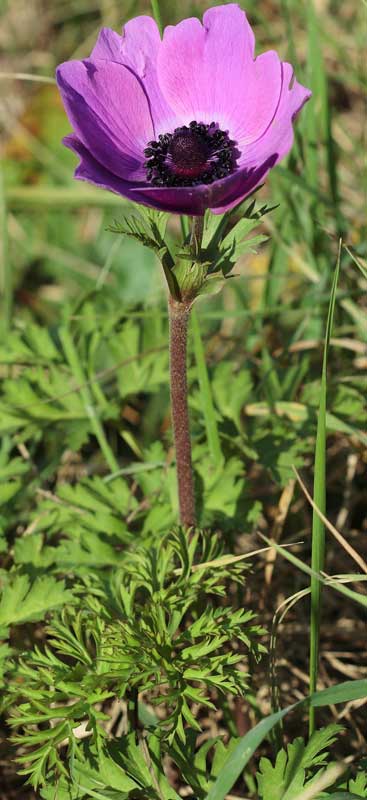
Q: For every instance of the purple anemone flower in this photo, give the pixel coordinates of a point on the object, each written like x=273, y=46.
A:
x=184, y=123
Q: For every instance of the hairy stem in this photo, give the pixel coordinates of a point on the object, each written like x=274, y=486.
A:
x=197, y=230
x=178, y=318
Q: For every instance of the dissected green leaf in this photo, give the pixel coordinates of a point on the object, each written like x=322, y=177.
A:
x=290, y=773
x=358, y=785
x=23, y=601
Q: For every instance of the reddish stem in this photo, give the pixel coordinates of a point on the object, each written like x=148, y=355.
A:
x=179, y=313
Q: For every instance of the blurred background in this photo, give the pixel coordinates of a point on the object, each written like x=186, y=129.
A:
x=263, y=335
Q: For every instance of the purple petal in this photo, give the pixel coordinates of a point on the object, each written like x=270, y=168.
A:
x=218, y=196
x=109, y=112
x=93, y=172
x=278, y=138
x=107, y=46
x=140, y=45
x=246, y=89
x=138, y=49
x=208, y=73
x=258, y=99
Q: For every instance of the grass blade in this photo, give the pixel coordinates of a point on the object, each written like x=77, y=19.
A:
x=26, y=76
x=340, y=693
x=326, y=580
x=338, y=536
x=319, y=496
x=65, y=197
x=157, y=14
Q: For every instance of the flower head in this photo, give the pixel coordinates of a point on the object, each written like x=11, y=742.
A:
x=182, y=124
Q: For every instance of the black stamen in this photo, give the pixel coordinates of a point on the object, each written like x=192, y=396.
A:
x=193, y=154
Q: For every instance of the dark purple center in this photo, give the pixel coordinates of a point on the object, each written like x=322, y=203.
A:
x=189, y=153
x=190, y=156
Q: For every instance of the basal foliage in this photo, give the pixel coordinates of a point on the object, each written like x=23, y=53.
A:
x=128, y=609
x=156, y=627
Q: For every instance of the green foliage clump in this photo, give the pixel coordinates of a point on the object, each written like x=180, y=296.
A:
x=147, y=629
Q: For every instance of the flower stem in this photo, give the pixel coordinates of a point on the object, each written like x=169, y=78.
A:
x=179, y=314
x=197, y=231
x=157, y=14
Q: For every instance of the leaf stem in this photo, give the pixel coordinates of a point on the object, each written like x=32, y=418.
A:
x=185, y=229
x=179, y=314
x=197, y=231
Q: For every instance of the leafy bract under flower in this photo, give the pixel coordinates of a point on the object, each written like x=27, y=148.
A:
x=184, y=123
